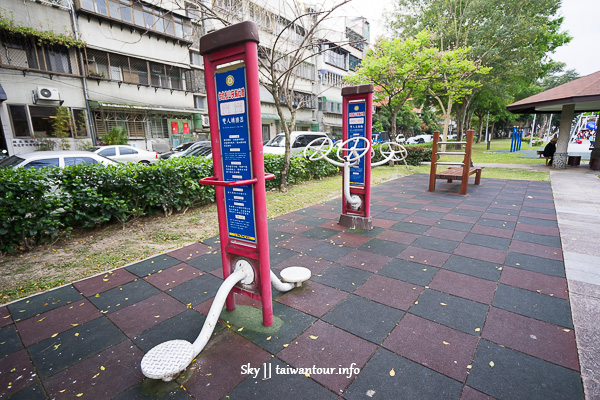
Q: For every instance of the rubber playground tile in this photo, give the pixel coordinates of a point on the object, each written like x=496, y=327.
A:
x=364, y=260
x=398, y=236
x=508, y=217
x=407, y=205
x=55, y=321
x=280, y=254
x=145, y=314
x=329, y=251
x=99, y=377
x=333, y=225
x=389, y=291
x=314, y=264
x=472, y=207
x=326, y=346
x=68, y=348
x=530, y=304
x=465, y=286
x=148, y=390
x=291, y=216
x=171, y=277
x=538, y=221
x=496, y=209
x=384, y=203
x=386, y=222
x=221, y=365
x=473, y=267
x=33, y=392
x=447, y=234
x=207, y=262
x=399, y=213
x=382, y=247
x=435, y=346
x=191, y=251
x=535, y=264
x=275, y=236
x=481, y=253
x=424, y=256
x=538, y=250
x=152, y=265
x=408, y=227
x=504, y=373
x=342, y=277
x=281, y=385
x=30, y=306
x=455, y=312
x=407, y=271
x=364, y=318
x=298, y=244
x=467, y=212
x=292, y=323
x=9, y=341
x=184, y=326
x=454, y=225
x=214, y=242
x=411, y=379
x=292, y=228
x=552, y=241
x=318, y=233
x=530, y=336
x=414, y=219
x=492, y=242
x=496, y=223
x=547, y=211
x=123, y=296
x=311, y=221
x=101, y=283
x=16, y=373
x=196, y=291
x=313, y=298
x=491, y=231
x=536, y=282
x=369, y=234
x=5, y=318
x=433, y=243
x=349, y=239
x=538, y=229
x=460, y=218
x=327, y=214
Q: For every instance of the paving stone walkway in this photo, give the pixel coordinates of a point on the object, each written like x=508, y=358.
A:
x=449, y=296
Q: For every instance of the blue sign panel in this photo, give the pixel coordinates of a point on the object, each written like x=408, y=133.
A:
x=590, y=125
x=235, y=152
x=357, y=120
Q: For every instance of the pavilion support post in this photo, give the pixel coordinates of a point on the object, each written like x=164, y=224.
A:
x=560, y=157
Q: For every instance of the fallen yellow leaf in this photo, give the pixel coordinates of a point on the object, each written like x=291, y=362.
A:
x=313, y=337
x=102, y=368
x=269, y=338
x=444, y=304
x=54, y=335
x=241, y=329
x=446, y=343
x=79, y=394
x=392, y=372
x=492, y=364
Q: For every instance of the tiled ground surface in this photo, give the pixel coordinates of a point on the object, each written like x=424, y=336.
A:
x=447, y=297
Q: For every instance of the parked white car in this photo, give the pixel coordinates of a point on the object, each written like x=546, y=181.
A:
x=54, y=159
x=123, y=153
x=299, y=139
x=420, y=139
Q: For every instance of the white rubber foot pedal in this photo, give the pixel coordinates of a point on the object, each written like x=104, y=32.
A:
x=167, y=360
x=295, y=275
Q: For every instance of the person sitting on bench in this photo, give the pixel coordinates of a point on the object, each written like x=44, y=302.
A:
x=550, y=149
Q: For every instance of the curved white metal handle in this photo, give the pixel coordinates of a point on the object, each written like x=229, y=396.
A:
x=354, y=153
x=389, y=153
x=320, y=148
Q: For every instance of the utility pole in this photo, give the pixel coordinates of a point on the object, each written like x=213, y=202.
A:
x=532, y=131
x=487, y=136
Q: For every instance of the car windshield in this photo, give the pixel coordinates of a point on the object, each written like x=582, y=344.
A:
x=184, y=146
x=277, y=141
x=10, y=162
x=199, y=151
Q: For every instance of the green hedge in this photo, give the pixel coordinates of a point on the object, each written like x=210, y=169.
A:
x=39, y=206
x=415, y=154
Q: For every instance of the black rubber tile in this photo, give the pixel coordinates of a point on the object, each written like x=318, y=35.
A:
x=207, y=262
x=277, y=236
x=538, y=210
x=538, y=221
x=152, y=265
x=279, y=386
x=473, y=267
x=455, y=312
x=123, y=296
x=414, y=206
x=457, y=226
x=70, y=347
x=9, y=341
x=279, y=254
x=508, y=374
x=376, y=207
x=372, y=233
x=536, y=264
x=553, y=241
x=466, y=213
x=429, y=214
x=495, y=223
x=504, y=211
x=214, y=241
x=318, y=233
x=393, y=216
x=184, y=326
x=364, y=318
x=342, y=277
x=535, y=305
x=410, y=380
x=433, y=243
x=196, y=291
x=294, y=322
x=33, y=392
x=328, y=251
x=493, y=242
x=407, y=271
x=383, y=247
x=150, y=390
x=410, y=228
x=311, y=221
x=26, y=308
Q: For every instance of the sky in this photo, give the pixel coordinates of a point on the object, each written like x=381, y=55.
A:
x=580, y=20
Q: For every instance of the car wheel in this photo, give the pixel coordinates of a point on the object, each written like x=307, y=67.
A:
x=144, y=162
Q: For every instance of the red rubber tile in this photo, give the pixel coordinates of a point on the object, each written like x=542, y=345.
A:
x=536, y=282
x=313, y=298
x=349, y=239
x=551, y=217
x=333, y=225
x=61, y=319
x=293, y=228
x=383, y=223
x=437, y=209
x=491, y=231
x=418, y=201
x=471, y=207
x=191, y=251
x=5, y=318
x=100, y=377
x=141, y=316
x=327, y=214
x=537, y=229
x=443, y=233
x=364, y=260
x=219, y=366
x=398, y=237
x=16, y=373
x=298, y=243
x=531, y=336
x=466, y=286
x=314, y=264
x=400, y=210
x=389, y=291
x=469, y=393
x=501, y=217
x=291, y=217
x=386, y=203
x=171, y=277
x=330, y=348
x=481, y=253
x=460, y=218
x=538, y=250
x=436, y=346
x=415, y=219
x=101, y=283
x=424, y=256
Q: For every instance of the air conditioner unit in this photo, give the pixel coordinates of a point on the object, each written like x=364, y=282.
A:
x=47, y=93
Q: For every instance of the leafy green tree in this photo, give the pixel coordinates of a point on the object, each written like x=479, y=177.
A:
x=116, y=135
x=61, y=127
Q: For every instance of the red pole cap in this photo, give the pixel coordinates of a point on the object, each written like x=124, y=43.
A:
x=228, y=37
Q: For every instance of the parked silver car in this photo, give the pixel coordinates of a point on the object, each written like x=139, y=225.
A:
x=299, y=139
x=123, y=153
x=54, y=159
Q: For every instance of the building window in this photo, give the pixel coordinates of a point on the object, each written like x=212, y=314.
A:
x=196, y=59
x=41, y=120
x=334, y=55
x=200, y=102
x=353, y=62
x=356, y=40
x=20, y=124
x=25, y=52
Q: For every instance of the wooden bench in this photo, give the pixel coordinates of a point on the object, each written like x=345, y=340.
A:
x=540, y=153
x=456, y=174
